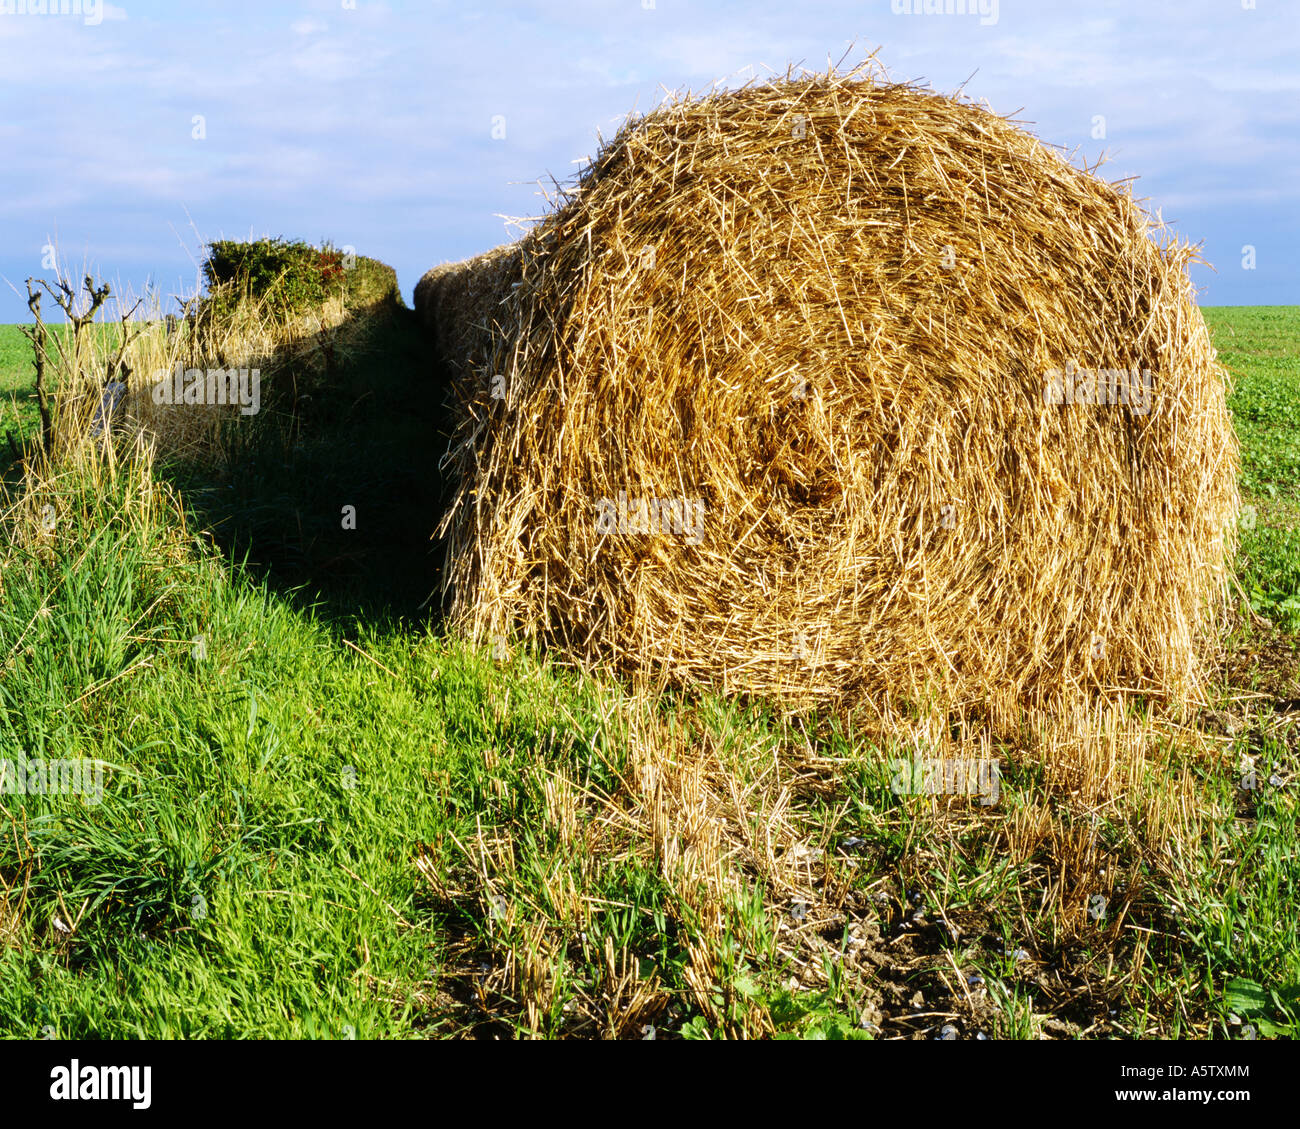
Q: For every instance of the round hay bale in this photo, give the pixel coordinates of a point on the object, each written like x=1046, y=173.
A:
x=839, y=391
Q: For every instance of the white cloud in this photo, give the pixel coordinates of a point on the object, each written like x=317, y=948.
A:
x=332, y=60
x=1264, y=83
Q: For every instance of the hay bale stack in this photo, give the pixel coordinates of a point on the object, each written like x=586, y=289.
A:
x=852, y=322
x=457, y=304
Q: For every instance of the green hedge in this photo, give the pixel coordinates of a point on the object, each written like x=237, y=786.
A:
x=295, y=276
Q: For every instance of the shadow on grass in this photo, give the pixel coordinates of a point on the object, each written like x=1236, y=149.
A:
x=364, y=428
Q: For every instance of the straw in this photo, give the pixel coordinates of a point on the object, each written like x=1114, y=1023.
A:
x=832, y=310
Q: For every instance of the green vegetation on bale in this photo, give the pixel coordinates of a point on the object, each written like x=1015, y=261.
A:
x=296, y=276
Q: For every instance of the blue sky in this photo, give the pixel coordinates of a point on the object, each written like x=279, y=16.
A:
x=370, y=124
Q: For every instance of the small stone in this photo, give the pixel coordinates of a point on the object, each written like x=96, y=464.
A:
x=948, y=1034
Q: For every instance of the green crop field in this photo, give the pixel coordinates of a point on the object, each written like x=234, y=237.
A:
x=1261, y=348
x=325, y=818
x=18, y=413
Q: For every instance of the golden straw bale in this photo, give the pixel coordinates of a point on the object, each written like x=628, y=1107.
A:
x=835, y=390
x=456, y=302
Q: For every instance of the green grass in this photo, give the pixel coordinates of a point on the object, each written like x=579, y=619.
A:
x=18, y=413
x=249, y=869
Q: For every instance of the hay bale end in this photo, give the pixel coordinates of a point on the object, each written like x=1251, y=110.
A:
x=835, y=390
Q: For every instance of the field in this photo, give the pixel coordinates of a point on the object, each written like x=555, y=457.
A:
x=17, y=396
x=1260, y=346
x=330, y=820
